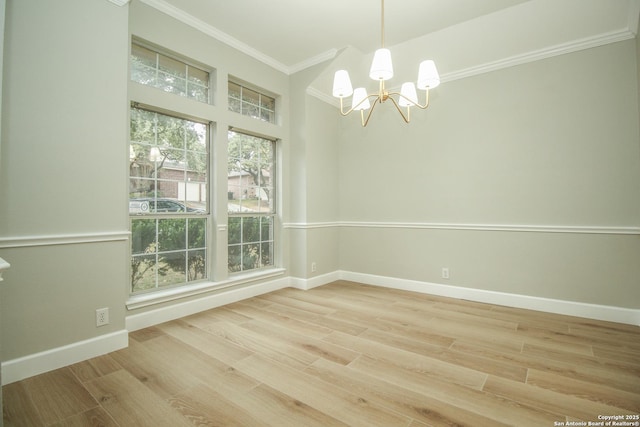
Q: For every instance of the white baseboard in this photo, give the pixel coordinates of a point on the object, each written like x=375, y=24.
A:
x=38, y=363
x=225, y=296
x=314, y=282
x=547, y=305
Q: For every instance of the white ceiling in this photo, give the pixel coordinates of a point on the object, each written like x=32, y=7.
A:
x=292, y=34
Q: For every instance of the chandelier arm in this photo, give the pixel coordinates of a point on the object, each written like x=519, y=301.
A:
x=406, y=118
x=415, y=104
x=350, y=110
x=373, y=106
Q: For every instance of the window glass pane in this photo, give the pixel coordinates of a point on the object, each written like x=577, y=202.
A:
x=234, y=230
x=143, y=236
x=252, y=103
x=250, y=96
x=234, y=90
x=197, y=233
x=144, y=56
x=198, y=77
x=235, y=258
x=172, y=269
x=266, y=228
x=266, y=254
x=250, y=256
x=169, y=74
x=250, y=229
x=250, y=164
x=197, y=265
x=199, y=93
x=172, y=67
x=171, y=232
x=143, y=272
x=267, y=116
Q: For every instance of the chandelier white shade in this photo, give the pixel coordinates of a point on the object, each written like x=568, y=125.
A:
x=381, y=67
x=360, y=102
x=342, y=84
x=381, y=71
x=428, y=77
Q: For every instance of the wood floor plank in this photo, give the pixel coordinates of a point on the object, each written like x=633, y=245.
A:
x=131, y=403
x=277, y=409
x=424, y=365
x=281, y=320
x=59, y=395
x=96, y=417
x=565, y=341
x=617, y=366
x=549, y=400
x=417, y=406
x=203, y=406
x=153, y=371
x=494, y=337
x=209, y=343
x=257, y=343
x=320, y=320
x=496, y=408
x=347, y=407
x=94, y=368
x=600, y=393
x=477, y=363
x=297, y=303
x=632, y=358
x=316, y=348
x=19, y=409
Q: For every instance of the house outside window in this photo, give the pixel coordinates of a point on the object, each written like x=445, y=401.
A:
x=251, y=202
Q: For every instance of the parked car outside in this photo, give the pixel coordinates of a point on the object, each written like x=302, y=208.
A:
x=141, y=206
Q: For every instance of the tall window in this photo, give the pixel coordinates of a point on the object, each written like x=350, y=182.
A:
x=155, y=69
x=168, y=187
x=252, y=103
x=251, y=207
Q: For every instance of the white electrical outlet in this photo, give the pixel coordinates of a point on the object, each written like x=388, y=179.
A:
x=102, y=316
x=445, y=273
x=314, y=267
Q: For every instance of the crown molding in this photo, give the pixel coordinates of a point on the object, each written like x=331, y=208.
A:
x=323, y=96
x=537, y=55
x=119, y=2
x=314, y=60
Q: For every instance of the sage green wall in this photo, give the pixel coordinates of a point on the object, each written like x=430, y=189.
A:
x=549, y=143
x=314, y=179
x=63, y=172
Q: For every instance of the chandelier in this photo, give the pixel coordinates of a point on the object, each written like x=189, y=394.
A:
x=381, y=71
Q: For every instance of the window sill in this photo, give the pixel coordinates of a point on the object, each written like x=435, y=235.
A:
x=158, y=297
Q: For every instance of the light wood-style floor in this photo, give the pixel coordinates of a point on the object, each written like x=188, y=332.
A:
x=347, y=354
